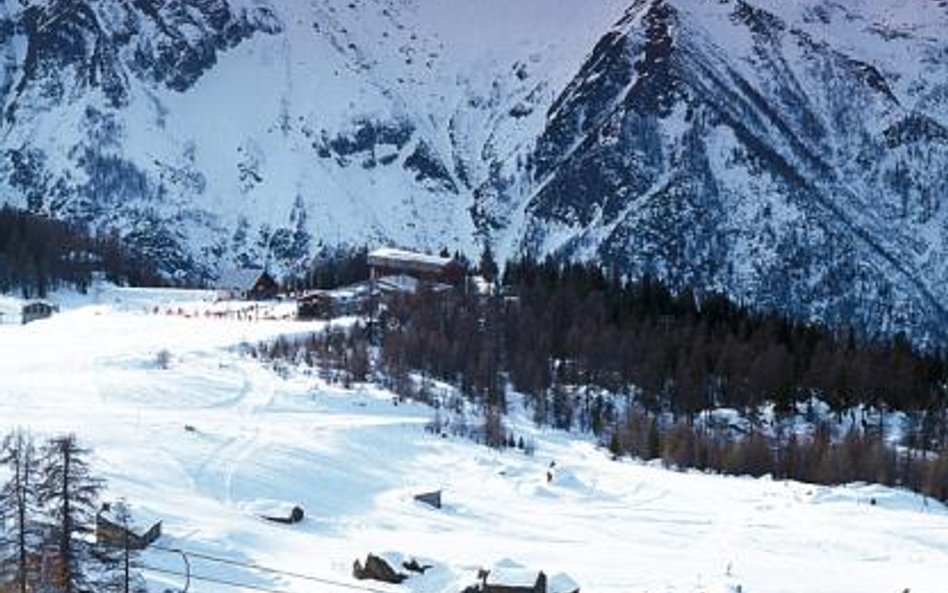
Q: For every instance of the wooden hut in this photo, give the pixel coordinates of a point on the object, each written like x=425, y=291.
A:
x=246, y=284
x=432, y=499
x=35, y=310
x=109, y=532
x=326, y=304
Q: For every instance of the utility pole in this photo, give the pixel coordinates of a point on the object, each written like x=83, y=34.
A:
x=126, y=553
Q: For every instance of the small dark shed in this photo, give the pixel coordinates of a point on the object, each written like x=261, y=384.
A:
x=377, y=569
x=36, y=310
x=326, y=304
x=432, y=499
x=315, y=305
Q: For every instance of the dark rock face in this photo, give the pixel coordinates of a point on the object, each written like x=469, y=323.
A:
x=765, y=174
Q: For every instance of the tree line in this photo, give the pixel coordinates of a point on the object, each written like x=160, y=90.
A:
x=49, y=504
x=39, y=254
x=331, y=267
x=636, y=363
x=822, y=456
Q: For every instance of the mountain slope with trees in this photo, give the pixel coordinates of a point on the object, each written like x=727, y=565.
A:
x=39, y=254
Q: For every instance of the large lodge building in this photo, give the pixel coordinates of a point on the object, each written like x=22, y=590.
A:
x=427, y=268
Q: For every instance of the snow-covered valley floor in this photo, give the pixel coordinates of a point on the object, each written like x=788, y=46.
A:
x=214, y=440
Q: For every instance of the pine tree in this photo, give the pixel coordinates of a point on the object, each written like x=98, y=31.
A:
x=488, y=265
x=299, y=221
x=68, y=492
x=494, y=431
x=18, y=499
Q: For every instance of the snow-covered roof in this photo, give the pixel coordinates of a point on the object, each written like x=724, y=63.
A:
x=389, y=254
x=352, y=291
x=561, y=583
x=511, y=574
x=138, y=519
x=239, y=279
x=41, y=302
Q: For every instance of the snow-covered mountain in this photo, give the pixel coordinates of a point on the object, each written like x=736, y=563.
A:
x=792, y=154
x=204, y=127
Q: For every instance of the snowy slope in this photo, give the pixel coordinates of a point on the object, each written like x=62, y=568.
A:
x=353, y=461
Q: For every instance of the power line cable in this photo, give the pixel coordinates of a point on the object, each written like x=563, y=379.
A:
x=214, y=580
x=267, y=569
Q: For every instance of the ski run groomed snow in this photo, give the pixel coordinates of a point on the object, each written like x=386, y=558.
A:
x=216, y=439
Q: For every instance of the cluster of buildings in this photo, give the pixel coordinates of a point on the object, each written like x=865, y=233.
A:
x=391, y=271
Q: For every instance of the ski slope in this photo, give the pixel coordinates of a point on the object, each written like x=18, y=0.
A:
x=257, y=443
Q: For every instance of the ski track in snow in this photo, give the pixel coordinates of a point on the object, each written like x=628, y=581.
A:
x=259, y=444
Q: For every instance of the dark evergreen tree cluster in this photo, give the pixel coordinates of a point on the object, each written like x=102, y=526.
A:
x=38, y=254
x=332, y=267
x=572, y=323
x=49, y=503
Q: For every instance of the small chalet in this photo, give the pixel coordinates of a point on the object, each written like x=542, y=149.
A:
x=317, y=304
x=509, y=577
x=387, y=262
x=249, y=285
x=35, y=310
x=110, y=532
x=326, y=304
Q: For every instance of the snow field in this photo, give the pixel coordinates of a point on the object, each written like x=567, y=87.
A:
x=215, y=440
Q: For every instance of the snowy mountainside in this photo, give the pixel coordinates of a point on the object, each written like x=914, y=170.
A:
x=793, y=155
x=209, y=129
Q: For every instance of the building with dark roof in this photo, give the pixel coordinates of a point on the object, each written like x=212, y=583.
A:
x=246, y=284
